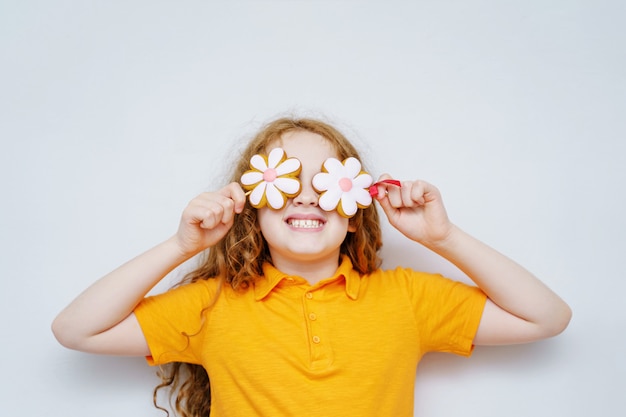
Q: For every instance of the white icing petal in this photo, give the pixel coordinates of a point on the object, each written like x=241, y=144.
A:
x=251, y=177
x=275, y=198
x=334, y=167
x=348, y=204
x=289, y=186
x=288, y=166
x=362, y=196
x=362, y=181
x=352, y=167
x=323, y=181
x=257, y=194
x=258, y=162
x=274, y=157
x=328, y=201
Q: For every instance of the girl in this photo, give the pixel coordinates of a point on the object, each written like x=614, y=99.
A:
x=290, y=314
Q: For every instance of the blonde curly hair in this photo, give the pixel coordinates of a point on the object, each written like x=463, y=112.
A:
x=238, y=258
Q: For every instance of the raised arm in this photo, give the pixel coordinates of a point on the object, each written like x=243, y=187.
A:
x=520, y=307
x=100, y=319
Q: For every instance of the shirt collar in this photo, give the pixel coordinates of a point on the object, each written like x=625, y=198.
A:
x=272, y=277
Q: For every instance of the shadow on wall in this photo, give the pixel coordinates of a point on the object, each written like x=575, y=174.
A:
x=80, y=372
x=525, y=359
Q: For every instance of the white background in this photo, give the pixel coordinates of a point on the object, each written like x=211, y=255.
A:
x=114, y=114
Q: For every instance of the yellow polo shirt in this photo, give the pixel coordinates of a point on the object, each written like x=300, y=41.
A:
x=347, y=346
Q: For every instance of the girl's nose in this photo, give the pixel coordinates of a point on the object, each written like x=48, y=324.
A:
x=307, y=197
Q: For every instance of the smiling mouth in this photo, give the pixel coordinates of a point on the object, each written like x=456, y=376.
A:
x=305, y=224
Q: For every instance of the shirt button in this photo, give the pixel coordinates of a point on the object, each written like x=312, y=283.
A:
x=316, y=339
x=312, y=316
x=309, y=295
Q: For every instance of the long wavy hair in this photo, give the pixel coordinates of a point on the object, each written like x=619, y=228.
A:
x=238, y=258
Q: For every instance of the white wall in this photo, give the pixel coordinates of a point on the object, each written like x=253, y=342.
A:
x=114, y=114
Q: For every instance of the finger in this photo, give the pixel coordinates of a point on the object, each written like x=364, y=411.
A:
x=211, y=215
x=413, y=193
x=429, y=193
x=232, y=199
x=226, y=208
x=236, y=194
x=389, y=210
x=208, y=210
x=381, y=187
x=394, y=195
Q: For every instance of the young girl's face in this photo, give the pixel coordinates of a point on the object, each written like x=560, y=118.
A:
x=301, y=232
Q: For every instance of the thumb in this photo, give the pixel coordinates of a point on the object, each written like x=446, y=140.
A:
x=389, y=210
x=385, y=181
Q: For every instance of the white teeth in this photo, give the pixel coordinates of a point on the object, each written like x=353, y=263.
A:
x=305, y=224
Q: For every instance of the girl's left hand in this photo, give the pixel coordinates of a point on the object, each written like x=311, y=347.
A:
x=416, y=210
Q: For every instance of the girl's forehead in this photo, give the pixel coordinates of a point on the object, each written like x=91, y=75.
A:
x=308, y=147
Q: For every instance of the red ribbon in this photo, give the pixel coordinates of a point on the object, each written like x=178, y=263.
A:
x=374, y=188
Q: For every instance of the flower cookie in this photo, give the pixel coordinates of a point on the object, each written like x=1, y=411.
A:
x=343, y=186
x=272, y=179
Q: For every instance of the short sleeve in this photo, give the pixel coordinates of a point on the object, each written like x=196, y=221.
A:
x=173, y=322
x=447, y=313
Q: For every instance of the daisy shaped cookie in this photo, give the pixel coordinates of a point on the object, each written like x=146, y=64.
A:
x=343, y=186
x=272, y=179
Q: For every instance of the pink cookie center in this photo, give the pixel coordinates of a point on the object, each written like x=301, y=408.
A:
x=269, y=175
x=345, y=184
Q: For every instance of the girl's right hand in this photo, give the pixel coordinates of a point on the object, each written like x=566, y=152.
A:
x=208, y=217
